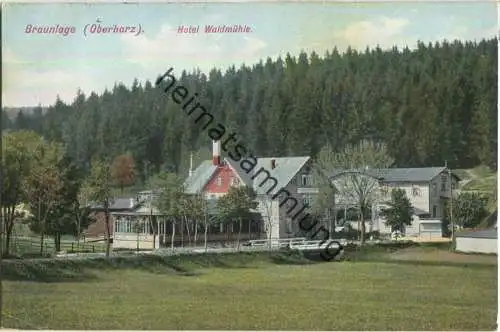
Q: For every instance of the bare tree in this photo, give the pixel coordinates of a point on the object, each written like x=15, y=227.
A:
x=266, y=207
x=99, y=185
x=354, y=173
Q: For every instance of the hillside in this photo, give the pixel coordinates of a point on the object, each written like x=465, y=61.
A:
x=434, y=104
x=478, y=179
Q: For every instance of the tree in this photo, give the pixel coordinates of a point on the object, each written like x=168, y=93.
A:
x=469, y=209
x=72, y=213
x=399, y=212
x=123, y=171
x=169, y=200
x=82, y=211
x=445, y=221
x=353, y=177
x=267, y=205
x=99, y=186
x=196, y=212
x=323, y=206
x=237, y=205
x=43, y=186
x=17, y=160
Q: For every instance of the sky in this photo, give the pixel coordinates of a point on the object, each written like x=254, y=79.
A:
x=38, y=67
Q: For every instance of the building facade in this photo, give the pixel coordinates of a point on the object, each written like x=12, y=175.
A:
x=428, y=190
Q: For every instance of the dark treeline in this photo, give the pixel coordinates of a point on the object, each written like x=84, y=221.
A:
x=433, y=104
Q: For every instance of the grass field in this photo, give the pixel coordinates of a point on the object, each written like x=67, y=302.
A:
x=257, y=291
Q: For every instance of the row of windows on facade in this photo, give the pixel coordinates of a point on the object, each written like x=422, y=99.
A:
x=415, y=191
x=234, y=181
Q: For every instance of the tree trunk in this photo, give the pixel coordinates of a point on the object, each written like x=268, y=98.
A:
x=269, y=231
x=363, y=231
x=137, y=244
x=108, y=231
x=173, y=235
x=182, y=232
x=41, y=243
x=239, y=234
x=8, y=236
x=195, y=232
x=249, y=229
x=78, y=231
x=57, y=242
x=206, y=235
x=188, y=228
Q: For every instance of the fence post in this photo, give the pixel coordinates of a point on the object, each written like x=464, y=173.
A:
x=72, y=247
x=93, y=248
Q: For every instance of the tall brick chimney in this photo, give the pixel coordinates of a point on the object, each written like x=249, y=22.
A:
x=216, y=153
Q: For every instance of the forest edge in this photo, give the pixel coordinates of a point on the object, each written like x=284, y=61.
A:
x=217, y=131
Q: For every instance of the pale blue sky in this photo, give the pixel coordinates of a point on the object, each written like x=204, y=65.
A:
x=38, y=67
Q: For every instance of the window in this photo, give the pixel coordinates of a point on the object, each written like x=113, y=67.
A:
x=444, y=182
x=219, y=181
x=307, y=200
x=434, y=189
x=235, y=181
x=415, y=191
x=434, y=211
x=306, y=180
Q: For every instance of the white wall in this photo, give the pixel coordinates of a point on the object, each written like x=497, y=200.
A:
x=468, y=244
x=129, y=241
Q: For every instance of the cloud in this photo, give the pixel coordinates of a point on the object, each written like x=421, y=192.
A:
x=23, y=84
x=384, y=32
x=188, y=51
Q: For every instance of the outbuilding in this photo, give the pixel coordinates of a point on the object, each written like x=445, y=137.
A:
x=483, y=241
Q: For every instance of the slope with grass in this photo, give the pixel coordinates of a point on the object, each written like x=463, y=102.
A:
x=251, y=291
x=480, y=179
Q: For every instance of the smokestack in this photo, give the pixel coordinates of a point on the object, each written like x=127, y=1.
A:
x=216, y=153
x=273, y=163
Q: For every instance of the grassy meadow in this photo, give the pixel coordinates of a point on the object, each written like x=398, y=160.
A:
x=406, y=289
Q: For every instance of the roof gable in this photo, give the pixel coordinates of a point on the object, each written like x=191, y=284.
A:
x=200, y=177
x=286, y=168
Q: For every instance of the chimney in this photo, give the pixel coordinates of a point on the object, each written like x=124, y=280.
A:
x=191, y=165
x=216, y=153
x=273, y=163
